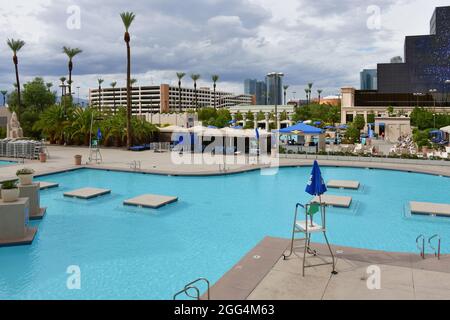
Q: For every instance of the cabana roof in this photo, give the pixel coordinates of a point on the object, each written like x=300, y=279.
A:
x=302, y=128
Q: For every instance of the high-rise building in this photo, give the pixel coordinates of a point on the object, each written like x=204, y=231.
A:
x=256, y=88
x=368, y=79
x=426, y=61
x=274, y=82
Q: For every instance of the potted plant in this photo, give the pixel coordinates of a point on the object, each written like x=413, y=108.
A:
x=25, y=176
x=42, y=157
x=10, y=192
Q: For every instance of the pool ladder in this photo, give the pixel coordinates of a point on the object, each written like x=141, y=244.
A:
x=135, y=165
x=192, y=286
x=420, y=242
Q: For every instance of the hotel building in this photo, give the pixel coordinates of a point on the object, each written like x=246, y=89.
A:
x=165, y=98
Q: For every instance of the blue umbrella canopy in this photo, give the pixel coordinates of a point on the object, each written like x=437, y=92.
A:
x=99, y=134
x=316, y=185
x=303, y=128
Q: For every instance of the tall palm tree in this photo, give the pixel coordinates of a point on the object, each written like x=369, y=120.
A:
x=133, y=82
x=71, y=53
x=127, y=19
x=15, y=46
x=215, y=78
x=100, y=81
x=285, y=93
x=307, y=95
x=49, y=86
x=310, y=85
x=319, y=92
x=113, y=85
x=180, y=76
x=195, y=78
x=4, y=93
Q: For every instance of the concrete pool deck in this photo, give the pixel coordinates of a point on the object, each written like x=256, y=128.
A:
x=263, y=275
x=62, y=159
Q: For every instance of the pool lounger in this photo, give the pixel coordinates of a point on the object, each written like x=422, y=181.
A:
x=152, y=201
x=47, y=185
x=428, y=208
x=87, y=193
x=343, y=184
x=335, y=201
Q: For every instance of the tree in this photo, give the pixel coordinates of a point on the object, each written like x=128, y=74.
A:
x=36, y=95
x=113, y=86
x=353, y=134
x=100, y=81
x=15, y=46
x=4, y=93
x=310, y=85
x=71, y=53
x=285, y=88
x=53, y=123
x=319, y=93
x=63, y=85
x=359, y=123
x=127, y=19
x=215, y=78
x=180, y=76
x=81, y=124
x=195, y=77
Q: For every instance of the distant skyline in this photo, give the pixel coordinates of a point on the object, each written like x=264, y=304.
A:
x=326, y=42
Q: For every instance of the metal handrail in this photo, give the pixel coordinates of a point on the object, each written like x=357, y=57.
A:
x=422, y=249
x=208, y=285
x=191, y=286
x=437, y=253
x=185, y=291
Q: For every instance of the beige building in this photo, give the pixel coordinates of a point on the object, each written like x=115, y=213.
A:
x=393, y=127
x=165, y=98
x=358, y=102
x=5, y=117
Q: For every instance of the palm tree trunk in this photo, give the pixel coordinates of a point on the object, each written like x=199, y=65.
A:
x=179, y=95
x=70, y=78
x=215, y=96
x=129, y=136
x=196, y=98
x=114, y=100
x=19, y=104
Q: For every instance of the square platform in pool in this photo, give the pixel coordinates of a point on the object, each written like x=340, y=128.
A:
x=87, y=193
x=428, y=208
x=47, y=185
x=335, y=201
x=150, y=201
x=343, y=184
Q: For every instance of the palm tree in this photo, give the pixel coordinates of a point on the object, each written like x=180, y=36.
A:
x=127, y=19
x=195, y=78
x=71, y=53
x=319, y=92
x=133, y=82
x=4, y=93
x=180, y=76
x=113, y=85
x=215, y=78
x=310, y=85
x=100, y=81
x=285, y=93
x=15, y=46
x=49, y=86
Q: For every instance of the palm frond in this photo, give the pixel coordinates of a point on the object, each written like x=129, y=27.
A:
x=71, y=52
x=15, y=45
x=127, y=19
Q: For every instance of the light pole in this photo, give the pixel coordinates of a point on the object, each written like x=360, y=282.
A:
x=447, y=82
x=78, y=89
x=417, y=95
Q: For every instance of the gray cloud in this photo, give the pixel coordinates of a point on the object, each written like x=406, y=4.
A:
x=325, y=41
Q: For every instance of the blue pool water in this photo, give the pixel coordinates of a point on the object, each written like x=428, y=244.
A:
x=131, y=253
x=6, y=163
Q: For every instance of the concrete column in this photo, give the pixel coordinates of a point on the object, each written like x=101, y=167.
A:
x=244, y=119
x=277, y=120
x=267, y=115
x=255, y=120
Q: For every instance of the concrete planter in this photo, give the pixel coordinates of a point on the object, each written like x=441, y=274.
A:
x=77, y=160
x=42, y=157
x=25, y=179
x=10, y=195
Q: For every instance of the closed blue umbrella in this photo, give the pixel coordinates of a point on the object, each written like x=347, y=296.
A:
x=316, y=185
x=257, y=133
x=99, y=134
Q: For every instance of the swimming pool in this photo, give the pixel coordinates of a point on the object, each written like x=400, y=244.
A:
x=6, y=163
x=131, y=253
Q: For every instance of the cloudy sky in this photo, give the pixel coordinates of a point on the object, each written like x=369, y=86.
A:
x=324, y=41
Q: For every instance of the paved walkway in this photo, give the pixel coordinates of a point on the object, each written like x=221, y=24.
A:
x=264, y=275
x=62, y=158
